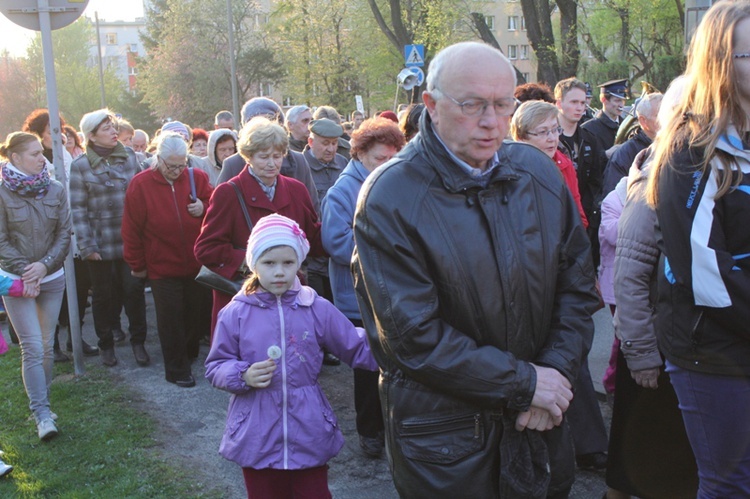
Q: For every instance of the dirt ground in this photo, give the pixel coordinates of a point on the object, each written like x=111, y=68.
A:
x=191, y=422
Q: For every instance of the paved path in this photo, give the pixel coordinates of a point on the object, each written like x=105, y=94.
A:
x=192, y=420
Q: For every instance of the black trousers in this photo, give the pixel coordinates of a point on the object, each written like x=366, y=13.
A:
x=111, y=279
x=83, y=284
x=183, y=316
x=367, y=400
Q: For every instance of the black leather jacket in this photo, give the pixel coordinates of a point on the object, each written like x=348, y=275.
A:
x=460, y=288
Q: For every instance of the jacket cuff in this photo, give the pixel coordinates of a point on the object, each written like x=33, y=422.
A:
x=521, y=400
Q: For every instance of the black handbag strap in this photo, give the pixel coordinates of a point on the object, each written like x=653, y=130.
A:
x=242, y=205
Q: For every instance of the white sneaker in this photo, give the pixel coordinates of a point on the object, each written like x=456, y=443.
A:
x=5, y=468
x=46, y=429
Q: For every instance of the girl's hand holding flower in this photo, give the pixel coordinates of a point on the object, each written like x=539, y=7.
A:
x=259, y=375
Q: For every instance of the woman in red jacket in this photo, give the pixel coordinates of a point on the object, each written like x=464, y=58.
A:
x=535, y=122
x=223, y=239
x=164, y=208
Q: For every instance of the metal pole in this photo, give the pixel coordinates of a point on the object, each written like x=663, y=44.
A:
x=74, y=328
x=233, y=66
x=99, y=58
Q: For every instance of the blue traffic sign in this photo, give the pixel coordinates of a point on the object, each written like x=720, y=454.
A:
x=414, y=55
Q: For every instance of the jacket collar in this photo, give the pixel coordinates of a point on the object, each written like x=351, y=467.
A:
x=454, y=178
x=731, y=142
x=297, y=295
x=356, y=170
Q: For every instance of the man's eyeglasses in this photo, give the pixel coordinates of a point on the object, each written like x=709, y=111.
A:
x=741, y=56
x=173, y=168
x=546, y=133
x=477, y=107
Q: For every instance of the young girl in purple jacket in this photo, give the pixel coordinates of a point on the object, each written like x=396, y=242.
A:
x=268, y=351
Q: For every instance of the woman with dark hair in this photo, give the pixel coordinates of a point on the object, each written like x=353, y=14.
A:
x=410, y=121
x=223, y=238
x=373, y=143
x=98, y=181
x=699, y=187
x=34, y=240
x=534, y=91
x=73, y=142
x=164, y=208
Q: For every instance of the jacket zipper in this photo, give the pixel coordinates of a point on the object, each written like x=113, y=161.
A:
x=284, y=418
x=179, y=219
x=430, y=426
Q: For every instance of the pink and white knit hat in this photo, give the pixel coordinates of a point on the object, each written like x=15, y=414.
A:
x=276, y=230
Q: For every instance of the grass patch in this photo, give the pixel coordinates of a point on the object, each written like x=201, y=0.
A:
x=105, y=447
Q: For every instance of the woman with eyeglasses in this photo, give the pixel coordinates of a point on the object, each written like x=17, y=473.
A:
x=164, y=208
x=98, y=181
x=221, y=245
x=536, y=122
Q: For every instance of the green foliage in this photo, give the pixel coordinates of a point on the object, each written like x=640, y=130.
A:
x=666, y=69
x=187, y=73
x=637, y=31
x=105, y=447
x=78, y=88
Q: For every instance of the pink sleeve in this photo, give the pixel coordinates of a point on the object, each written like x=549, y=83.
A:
x=16, y=289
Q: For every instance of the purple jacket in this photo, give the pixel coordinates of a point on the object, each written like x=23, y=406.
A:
x=611, y=210
x=289, y=424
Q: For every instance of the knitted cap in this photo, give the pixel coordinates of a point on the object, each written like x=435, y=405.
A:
x=276, y=230
x=261, y=106
x=176, y=127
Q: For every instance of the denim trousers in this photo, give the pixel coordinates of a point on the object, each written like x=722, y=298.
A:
x=111, y=279
x=715, y=409
x=34, y=320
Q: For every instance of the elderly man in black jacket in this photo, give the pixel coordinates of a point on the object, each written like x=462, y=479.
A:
x=476, y=287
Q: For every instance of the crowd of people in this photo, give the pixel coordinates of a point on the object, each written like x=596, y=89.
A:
x=459, y=280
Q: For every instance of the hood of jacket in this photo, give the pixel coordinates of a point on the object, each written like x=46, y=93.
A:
x=213, y=139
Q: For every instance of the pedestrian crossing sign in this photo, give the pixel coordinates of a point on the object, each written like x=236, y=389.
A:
x=414, y=55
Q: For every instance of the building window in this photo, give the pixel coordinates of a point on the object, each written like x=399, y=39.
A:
x=111, y=38
x=512, y=23
x=512, y=52
x=524, y=51
x=525, y=76
x=133, y=71
x=134, y=47
x=490, y=20
x=523, y=23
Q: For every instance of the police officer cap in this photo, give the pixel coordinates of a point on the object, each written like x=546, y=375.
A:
x=615, y=88
x=326, y=128
x=588, y=90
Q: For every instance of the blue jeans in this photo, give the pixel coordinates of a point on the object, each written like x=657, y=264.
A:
x=716, y=411
x=34, y=320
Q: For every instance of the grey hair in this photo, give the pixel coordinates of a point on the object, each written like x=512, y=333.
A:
x=294, y=113
x=223, y=115
x=171, y=144
x=327, y=112
x=436, y=66
x=138, y=131
x=648, y=105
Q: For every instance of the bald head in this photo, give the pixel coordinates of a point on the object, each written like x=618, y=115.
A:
x=469, y=98
x=465, y=56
